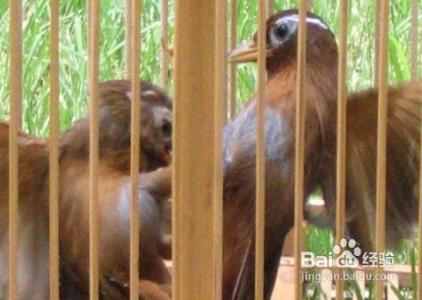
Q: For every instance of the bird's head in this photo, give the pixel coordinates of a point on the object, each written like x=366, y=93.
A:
x=281, y=42
x=155, y=117
x=114, y=114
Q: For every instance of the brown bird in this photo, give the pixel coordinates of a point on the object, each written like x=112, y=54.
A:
x=33, y=215
x=114, y=187
x=114, y=221
x=114, y=196
x=114, y=115
x=320, y=151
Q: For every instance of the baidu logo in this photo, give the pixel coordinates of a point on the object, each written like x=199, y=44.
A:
x=347, y=254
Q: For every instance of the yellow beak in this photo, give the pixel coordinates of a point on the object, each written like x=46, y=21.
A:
x=245, y=53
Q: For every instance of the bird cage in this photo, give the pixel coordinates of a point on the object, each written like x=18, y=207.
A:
x=222, y=194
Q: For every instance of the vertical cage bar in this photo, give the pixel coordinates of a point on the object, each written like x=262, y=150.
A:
x=93, y=69
x=15, y=26
x=193, y=214
x=164, y=63
x=260, y=153
x=270, y=6
x=54, y=151
x=382, y=138
x=300, y=145
x=135, y=122
x=233, y=65
x=220, y=117
x=414, y=30
x=341, y=134
x=128, y=34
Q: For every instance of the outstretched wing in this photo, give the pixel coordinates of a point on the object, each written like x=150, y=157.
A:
x=403, y=157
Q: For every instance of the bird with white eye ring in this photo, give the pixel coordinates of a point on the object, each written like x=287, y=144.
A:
x=282, y=31
x=320, y=100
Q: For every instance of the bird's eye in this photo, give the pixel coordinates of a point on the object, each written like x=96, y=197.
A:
x=166, y=129
x=281, y=32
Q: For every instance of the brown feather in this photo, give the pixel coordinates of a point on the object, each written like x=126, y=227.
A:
x=320, y=153
x=114, y=195
x=403, y=157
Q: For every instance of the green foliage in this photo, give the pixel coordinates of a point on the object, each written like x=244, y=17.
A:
x=73, y=56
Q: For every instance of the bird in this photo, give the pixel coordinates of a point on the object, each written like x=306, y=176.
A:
x=33, y=215
x=239, y=151
x=114, y=200
x=114, y=184
x=114, y=220
x=114, y=132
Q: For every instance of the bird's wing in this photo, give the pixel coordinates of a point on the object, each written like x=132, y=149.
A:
x=403, y=157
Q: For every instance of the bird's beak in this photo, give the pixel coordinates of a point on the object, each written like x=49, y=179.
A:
x=244, y=53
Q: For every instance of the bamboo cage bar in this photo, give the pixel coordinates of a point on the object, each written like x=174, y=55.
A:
x=15, y=49
x=270, y=5
x=164, y=63
x=381, y=139
x=260, y=153
x=128, y=35
x=233, y=65
x=220, y=102
x=135, y=121
x=341, y=134
x=93, y=73
x=300, y=145
x=414, y=33
x=54, y=152
x=193, y=213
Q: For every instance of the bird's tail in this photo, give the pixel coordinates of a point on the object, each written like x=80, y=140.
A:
x=403, y=161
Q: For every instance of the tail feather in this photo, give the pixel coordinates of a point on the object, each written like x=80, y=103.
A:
x=403, y=159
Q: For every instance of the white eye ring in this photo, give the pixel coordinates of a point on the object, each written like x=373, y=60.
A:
x=293, y=21
x=309, y=20
x=275, y=39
